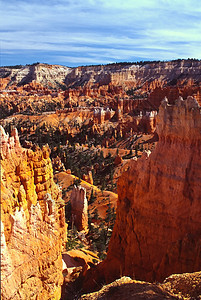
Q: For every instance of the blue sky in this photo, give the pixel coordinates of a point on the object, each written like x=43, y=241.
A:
x=77, y=32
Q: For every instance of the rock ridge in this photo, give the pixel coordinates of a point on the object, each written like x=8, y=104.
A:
x=158, y=73
x=124, y=88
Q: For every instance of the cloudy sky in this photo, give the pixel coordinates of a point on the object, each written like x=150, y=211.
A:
x=77, y=32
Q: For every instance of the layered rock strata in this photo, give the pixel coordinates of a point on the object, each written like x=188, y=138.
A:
x=122, y=88
x=32, y=223
x=110, y=78
x=42, y=73
x=158, y=229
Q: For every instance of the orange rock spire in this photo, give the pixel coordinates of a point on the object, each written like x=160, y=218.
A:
x=158, y=228
x=33, y=223
x=158, y=225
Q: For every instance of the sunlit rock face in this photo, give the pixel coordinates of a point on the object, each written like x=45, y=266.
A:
x=32, y=223
x=122, y=88
x=79, y=208
x=158, y=229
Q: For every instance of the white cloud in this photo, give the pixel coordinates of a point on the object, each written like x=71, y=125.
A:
x=188, y=35
x=83, y=60
x=115, y=29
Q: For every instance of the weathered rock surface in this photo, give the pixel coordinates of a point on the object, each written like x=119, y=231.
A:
x=79, y=208
x=178, y=286
x=32, y=223
x=40, y=73
x=88, y=177
x=112, y=75
x=158, y=230
x=188, y=284
x=123, y=88
x=118, y=160
x=102, y=198
x=127, y=289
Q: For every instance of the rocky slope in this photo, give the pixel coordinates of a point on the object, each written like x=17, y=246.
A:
x=158, y=230
x=179, y=286
x=127, y=289
x=32, y=223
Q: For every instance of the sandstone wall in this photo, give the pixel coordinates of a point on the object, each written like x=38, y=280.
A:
x=158, y=225
x=32, y=223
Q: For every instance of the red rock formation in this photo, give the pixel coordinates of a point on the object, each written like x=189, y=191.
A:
x=79, y=208
x=158, y=230
x=38, y=88
x=33, y=223
x=118, y=160
x=88, y=177
x=4, y=82
x=147, y=123
x=100, y=115
x=172, y=93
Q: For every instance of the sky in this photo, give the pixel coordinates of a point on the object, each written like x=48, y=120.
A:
x=85, y=32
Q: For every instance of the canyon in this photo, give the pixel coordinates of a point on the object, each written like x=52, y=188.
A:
x=89, y=145
x=140, y=86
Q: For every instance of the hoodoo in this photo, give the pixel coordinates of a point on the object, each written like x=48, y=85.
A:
x=32, y=223
x=158, y=228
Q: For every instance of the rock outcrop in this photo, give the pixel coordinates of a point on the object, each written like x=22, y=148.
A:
x=79, y=208
x=158, y=230
x=88, y=177
x=109, y=77
x=33, y=227
x=125, y=289
x=178, y=286
x=40, y=73
x=118, y=160
x=119, y=89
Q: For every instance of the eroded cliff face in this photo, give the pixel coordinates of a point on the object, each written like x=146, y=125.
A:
x=41, y=73
x=158, y=228
x=32, y=223
x=139, y=87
